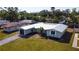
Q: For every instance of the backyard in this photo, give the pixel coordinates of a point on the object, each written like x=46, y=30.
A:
x=38, y=43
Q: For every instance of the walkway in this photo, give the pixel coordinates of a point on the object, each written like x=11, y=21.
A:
x=7, y=40
x=75, y=41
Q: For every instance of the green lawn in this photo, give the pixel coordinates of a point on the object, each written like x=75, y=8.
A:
x=78, y=43
x=37, y=43
x=5, y=35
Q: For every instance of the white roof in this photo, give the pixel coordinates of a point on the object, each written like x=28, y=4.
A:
x=47, y=26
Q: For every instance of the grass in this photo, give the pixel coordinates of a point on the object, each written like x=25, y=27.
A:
x=5, y=35
x=37, y=43
x=78, y=35
x=78, y=43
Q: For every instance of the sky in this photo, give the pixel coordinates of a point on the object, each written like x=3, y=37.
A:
x=37, y=9
x=33, y=9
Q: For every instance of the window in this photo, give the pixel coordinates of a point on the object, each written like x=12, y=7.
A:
x=52, y=32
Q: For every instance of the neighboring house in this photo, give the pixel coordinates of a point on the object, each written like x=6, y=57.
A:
x=3, y=22
x=26, y=22
x=11, y=26
x=49, y=29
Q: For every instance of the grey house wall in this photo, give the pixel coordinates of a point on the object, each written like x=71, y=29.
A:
x=46, y=32
x=10, y=29
x=27, y=31
x=57, y=34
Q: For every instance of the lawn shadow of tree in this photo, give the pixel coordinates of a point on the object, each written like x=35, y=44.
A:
x=64, y=39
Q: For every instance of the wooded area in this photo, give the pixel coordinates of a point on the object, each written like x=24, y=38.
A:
x=55, y=15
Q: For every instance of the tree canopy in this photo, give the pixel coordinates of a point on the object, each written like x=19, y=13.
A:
x=55, y=15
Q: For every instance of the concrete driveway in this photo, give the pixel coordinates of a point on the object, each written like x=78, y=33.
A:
x=7, y=40
x=75, y=40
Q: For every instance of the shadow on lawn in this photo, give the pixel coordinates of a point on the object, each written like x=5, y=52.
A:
x=27, y=36
x=64, y=39
x=9, y=32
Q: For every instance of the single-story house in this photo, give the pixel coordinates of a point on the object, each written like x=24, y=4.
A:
x=13, y=26
x=26, y=22
x=3, y=22
x=10, y=26
x=49, y=29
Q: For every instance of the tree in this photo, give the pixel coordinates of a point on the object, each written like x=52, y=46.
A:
x=66, y=12
x=11, y=13
x=53, y=9
x=22, y=15
x=44, y=13
x=74, y=12
x=3, y=14
x=40, y=30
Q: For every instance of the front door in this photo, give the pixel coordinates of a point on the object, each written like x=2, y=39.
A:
x=21, y=32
